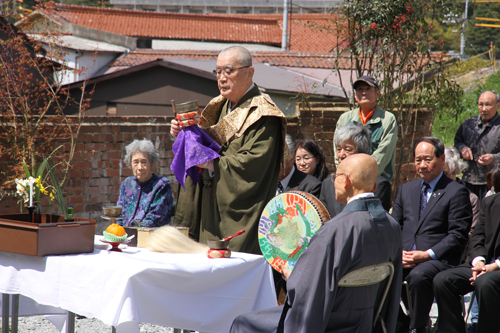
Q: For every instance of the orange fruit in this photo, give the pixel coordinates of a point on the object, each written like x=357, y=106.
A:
x=116, y=230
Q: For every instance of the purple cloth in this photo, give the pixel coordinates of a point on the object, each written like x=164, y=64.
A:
x=192, y=147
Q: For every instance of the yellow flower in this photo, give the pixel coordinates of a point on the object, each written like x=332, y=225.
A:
x=38, y=180
x=43, y=189
x=52, y=196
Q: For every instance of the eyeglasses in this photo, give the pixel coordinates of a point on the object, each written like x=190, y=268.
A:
x=305, y=159
x=226, y=70
x=334, y=175
x=484, y=106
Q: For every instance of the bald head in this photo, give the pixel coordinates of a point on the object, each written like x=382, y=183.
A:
x=241, y=54
x=359, y=175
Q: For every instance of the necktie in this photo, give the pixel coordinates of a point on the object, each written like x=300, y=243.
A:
x=280, y=187
x=423, y=197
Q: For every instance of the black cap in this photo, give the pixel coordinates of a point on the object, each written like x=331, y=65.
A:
x=366, y=79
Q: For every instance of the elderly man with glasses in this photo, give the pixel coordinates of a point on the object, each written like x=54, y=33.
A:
x=382, y=124
x=477, y=140
x=235, y=187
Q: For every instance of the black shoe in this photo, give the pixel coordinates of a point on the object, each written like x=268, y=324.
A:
x=419, y=330
x=403, y=324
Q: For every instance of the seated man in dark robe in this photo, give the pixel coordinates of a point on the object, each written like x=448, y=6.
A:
x=352, y=139
x=292, y=179
x=362, y=235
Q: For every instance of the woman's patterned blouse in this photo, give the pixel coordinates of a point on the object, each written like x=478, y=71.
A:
x=148, y=204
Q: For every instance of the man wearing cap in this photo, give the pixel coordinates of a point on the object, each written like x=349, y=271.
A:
x=382, y=125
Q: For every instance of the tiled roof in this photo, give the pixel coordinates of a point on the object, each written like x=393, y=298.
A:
x=324, y=60
x=309, y=32
x=290, y=59
x=251, y=28
x=171, y=25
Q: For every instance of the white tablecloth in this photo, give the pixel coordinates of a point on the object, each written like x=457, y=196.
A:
x=177, y=290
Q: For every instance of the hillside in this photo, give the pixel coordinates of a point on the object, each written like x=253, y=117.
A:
x=473, y=83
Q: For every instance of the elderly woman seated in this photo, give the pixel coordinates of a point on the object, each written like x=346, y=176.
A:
x=145, y=197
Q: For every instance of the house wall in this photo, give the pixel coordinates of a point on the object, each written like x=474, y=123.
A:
x=222, y=6
x=149, y=92
x=98, y=169
x=86, y=64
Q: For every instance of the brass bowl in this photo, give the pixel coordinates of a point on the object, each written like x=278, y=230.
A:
x=187, y=107
x=112, y=211
x=217, y=244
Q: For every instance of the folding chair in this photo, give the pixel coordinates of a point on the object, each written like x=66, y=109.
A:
x=367, y=276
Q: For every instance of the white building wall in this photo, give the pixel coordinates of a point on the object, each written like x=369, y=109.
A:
x=86, y=63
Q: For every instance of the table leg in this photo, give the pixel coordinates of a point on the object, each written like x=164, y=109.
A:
x=15, y=313
x=71, y=322
x=5, y=312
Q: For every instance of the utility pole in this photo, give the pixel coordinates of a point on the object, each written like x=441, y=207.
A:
x=284, y=40
x=462, y=35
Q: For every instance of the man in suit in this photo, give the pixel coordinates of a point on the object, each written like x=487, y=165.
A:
x=352, y=139
x=291, y=179
x=481, y=275
x=435, y=215
x=363, y=234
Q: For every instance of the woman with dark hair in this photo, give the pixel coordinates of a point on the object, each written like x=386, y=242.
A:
x=310, y=159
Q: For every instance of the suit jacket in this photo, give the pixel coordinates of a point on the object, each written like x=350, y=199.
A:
x=301, y=181
x=485, y=240
x=327, y=196
x=444, y=224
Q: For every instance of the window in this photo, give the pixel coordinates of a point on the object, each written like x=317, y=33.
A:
x=110, y=108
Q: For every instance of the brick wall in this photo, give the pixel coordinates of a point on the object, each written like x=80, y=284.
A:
x=317, y=121
x=98, y=169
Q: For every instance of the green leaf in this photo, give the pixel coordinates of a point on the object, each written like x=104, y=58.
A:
x=26, y=170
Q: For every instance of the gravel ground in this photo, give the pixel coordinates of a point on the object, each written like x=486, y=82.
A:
x=38, y=324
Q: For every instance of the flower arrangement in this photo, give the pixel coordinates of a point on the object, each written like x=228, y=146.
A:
x=31, y=188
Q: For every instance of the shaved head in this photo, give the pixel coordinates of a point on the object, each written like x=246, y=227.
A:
x=359, y=176
x=240, y=53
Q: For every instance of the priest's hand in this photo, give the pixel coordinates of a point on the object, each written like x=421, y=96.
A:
x=284, y=272
x=175, y=128
x=207, y=165
x=413, y=258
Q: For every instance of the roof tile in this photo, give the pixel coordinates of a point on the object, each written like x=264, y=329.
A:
x=309, y=32
x=290, y=59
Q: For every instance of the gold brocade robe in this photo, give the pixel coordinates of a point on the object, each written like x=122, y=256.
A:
x=245, y=177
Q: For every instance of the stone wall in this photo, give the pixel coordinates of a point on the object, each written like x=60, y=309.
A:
x=98, y=167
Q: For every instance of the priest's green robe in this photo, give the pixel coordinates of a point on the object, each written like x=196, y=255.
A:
x=245, y=177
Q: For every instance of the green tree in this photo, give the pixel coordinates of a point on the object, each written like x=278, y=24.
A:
x=391, y=40
x=479, y=38
x=32, y=121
